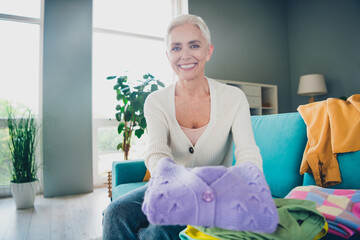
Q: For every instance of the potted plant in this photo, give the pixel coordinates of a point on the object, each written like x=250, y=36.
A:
x=23, y=169
x=130, y=107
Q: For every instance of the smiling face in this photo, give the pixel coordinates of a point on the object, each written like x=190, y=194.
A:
x=188, y=51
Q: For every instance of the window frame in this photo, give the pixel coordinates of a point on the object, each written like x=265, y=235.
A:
x=5, y=190
x=178, y=7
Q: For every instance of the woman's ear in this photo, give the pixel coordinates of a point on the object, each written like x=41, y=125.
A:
x=210, y=51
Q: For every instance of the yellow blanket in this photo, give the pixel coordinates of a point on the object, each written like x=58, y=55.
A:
x=333, y=126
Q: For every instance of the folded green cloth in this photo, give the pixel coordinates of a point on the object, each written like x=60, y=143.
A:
x=298, y=219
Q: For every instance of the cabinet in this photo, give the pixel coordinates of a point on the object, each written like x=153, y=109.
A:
x=262, y=98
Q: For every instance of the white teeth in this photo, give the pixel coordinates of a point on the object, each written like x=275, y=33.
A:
x=187, y=66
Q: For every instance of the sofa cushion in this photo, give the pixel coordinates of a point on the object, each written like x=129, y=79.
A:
x=124, y=188
x=128, y=171
x=349, y=163
x=282, y=140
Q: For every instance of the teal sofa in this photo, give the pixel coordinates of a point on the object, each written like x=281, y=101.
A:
x=281, y=139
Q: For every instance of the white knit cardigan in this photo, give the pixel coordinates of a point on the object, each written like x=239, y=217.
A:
x=229, y=120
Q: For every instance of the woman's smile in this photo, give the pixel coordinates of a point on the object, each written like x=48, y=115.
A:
x=187, y=67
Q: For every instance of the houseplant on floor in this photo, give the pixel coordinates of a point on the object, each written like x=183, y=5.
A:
x=130, y=108
x=130, y=111
x=23, y=169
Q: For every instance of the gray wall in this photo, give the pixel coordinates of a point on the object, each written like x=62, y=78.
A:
x=250, y=41
x=324, y=37
x=274, y=41
x=67, y=97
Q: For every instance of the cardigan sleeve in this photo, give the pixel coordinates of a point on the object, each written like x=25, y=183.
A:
x=245, y=145
x=158, y=133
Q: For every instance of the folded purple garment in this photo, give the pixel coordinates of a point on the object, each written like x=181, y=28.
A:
x=236, y=198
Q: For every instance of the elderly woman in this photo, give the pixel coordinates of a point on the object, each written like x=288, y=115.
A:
x=193, y=121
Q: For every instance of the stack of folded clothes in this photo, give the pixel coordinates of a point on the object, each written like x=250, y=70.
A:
x=340, y=207
x=216, y=202
x=236, y=198
x=298, y=219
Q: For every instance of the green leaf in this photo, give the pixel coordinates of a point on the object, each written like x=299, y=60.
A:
x=119, y=146
x=125, y=100
x=118, y=107
x=136, y=105
x=146, y=76
x=122, y=79
x=118, y=116
x=146, y=97
x=142, y=94
x=127, y=116
x=118, y=94
x=150, y=75
x=121, y=127
x=141, y=99
x=139, y=132
x=160, y=83
x=126, y=90
x=142, y=123
x=133, y=96
x=154, y=87
x=116, y=86
x=111, y=77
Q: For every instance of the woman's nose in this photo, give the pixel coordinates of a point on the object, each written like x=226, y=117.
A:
x=185, y=55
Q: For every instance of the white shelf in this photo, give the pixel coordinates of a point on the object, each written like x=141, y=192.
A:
x=262, y=98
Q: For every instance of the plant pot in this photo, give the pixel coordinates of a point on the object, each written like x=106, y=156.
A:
x=24, y=194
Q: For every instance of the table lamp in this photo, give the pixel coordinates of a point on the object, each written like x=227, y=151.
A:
x=312, y=85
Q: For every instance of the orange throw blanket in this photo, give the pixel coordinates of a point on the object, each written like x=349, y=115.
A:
x=333, y=126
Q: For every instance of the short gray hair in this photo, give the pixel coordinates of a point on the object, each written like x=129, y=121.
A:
x=192, y=19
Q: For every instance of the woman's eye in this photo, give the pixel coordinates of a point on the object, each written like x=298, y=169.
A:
x=174, y=49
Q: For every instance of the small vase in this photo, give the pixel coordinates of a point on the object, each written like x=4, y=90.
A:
x=24, y=194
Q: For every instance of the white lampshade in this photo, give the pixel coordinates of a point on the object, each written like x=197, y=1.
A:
x=312, y=85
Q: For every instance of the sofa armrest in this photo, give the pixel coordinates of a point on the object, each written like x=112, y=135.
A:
x=127, y=171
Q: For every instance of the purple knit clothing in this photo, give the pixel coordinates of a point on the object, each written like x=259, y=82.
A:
x=236, y=198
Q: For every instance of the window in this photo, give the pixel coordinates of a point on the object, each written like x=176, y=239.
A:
x=22, y=8
x=20, y=61
x=128, y=39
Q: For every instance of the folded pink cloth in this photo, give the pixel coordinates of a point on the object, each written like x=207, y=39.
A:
x=340, y=207
x=236, y=198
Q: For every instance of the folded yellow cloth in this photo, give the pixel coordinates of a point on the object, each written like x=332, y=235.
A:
x=323, y=232
x=147, y=176
x=196, y=234
x=333, y=126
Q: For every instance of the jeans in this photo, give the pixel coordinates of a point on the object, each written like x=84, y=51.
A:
x=124, y=220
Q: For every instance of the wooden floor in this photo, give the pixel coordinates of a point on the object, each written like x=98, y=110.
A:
x=75, y=217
